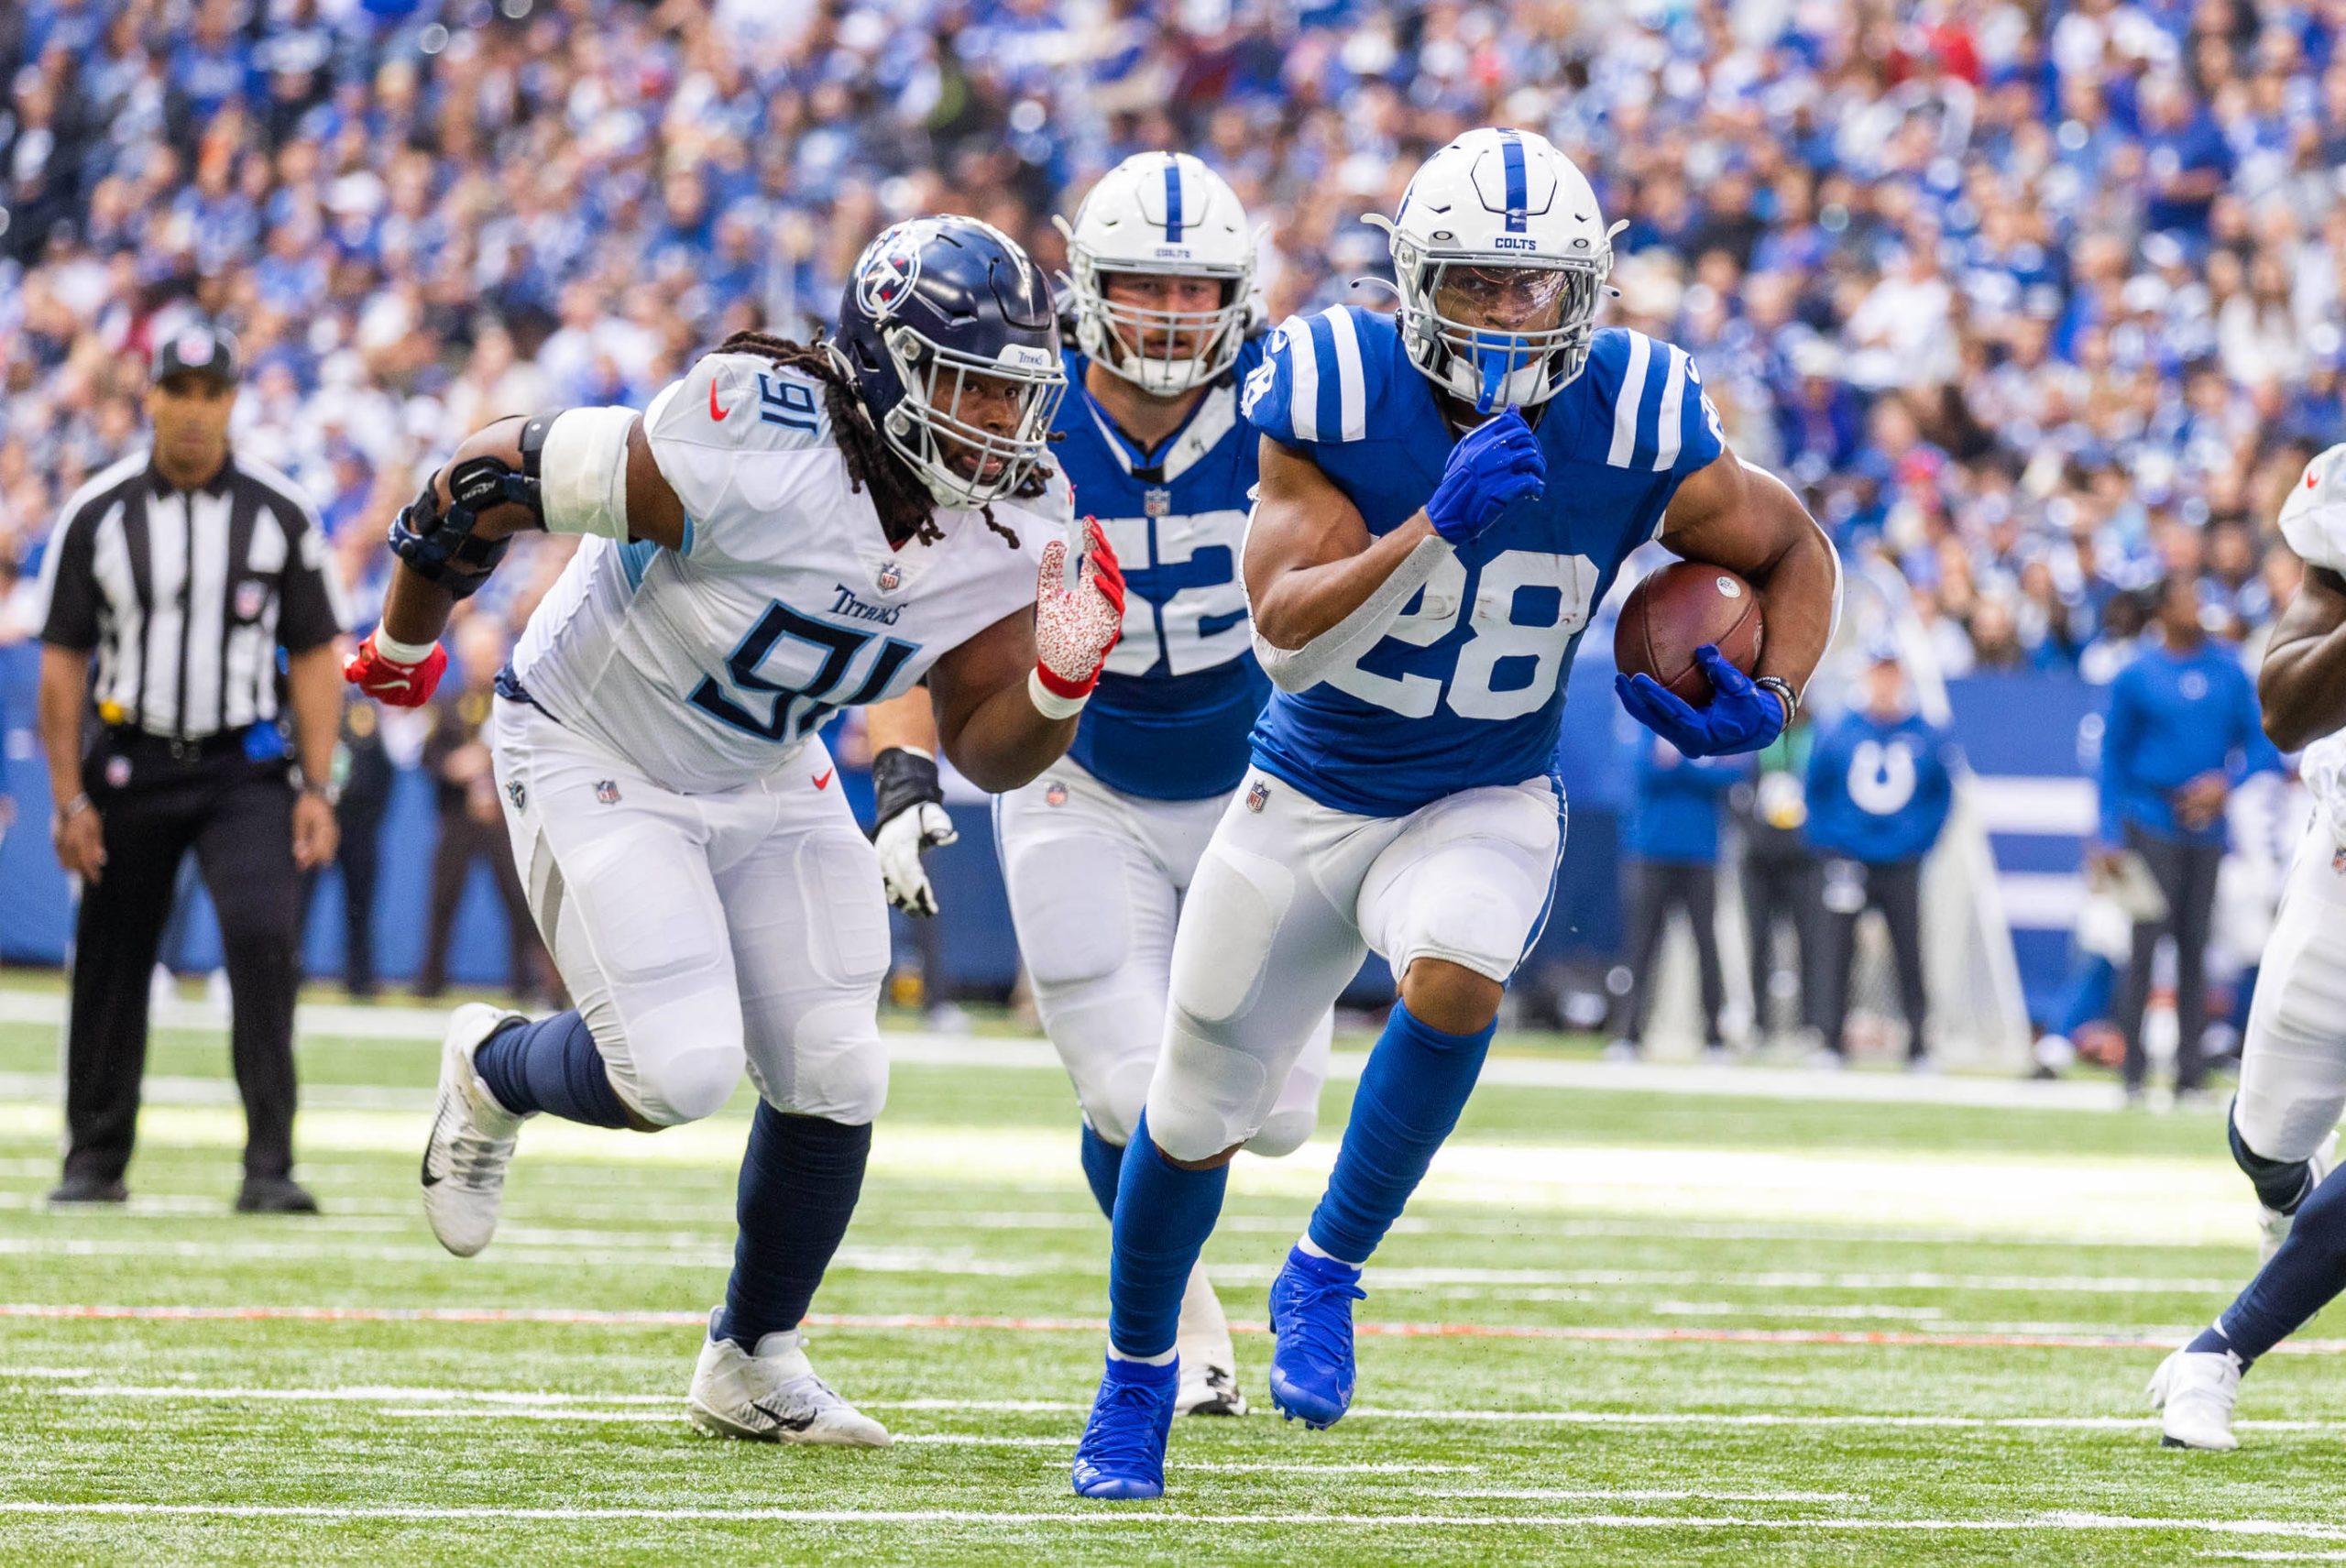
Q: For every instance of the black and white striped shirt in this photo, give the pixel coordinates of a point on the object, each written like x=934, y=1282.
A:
x=185, y=595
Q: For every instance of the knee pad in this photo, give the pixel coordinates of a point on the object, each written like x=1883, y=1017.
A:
x=1283, y=1133
x=1205, y=1096
x=1070, y=928
x=686, y=1087
x=1115, y=1094
x=1222, y=948
x=678, y=1062
x=838, y=1068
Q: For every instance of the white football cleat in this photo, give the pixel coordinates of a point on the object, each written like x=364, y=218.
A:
x=2195, y=1390
x=2275, y=1224
x=1209, y=1364
x=773, y=1396
x=471, y=1138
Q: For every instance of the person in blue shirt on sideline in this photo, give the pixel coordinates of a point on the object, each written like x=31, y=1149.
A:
x=2182, y=730
x=1673, y=844
x=1880, y=783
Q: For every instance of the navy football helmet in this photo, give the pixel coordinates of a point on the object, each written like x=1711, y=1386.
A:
x=945, y=323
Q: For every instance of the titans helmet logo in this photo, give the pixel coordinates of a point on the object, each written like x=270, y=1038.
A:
x=889, y=268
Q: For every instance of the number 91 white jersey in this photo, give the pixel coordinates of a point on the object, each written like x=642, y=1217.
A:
x=708, y=667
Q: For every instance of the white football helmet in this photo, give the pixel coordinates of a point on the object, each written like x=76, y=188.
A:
x=1501, y=218
x=1167, y=214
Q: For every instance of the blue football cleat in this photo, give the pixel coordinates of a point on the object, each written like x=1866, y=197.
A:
x=1123, y=1451
x=1311, y=1313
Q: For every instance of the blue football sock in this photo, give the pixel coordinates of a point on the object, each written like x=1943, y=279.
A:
x=2304, y=1277
x=800, y=1179
x=1162, y=1219
x=550, y=1065
x=1410, y=1093
x=1102, y=1162
x=2280, y=1184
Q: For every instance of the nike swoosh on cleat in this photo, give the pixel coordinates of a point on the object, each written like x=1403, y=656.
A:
x=438, y=1113
x=714, y=411
x=786, y=1422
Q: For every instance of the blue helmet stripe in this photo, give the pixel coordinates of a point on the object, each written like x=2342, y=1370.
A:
x=1517, y=197
x=1172, y=202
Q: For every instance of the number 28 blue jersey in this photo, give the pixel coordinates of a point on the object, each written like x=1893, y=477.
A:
x=1170, y=718
x=1467, y=688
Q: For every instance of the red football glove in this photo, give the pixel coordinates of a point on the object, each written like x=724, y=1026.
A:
x=391, y=683
x=1075, y=628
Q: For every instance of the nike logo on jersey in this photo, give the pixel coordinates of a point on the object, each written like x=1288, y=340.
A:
x=714, y=411
x=439, y=1114
x=822, y=779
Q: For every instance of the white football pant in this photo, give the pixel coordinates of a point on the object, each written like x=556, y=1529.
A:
x=1096, y=880
x=2293, y=1064
x=700, y=932
x=1292, y=895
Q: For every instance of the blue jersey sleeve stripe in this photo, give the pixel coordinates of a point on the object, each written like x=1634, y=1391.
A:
x=1517, y=198
x=1303, y=380
x=1351, y=379
x=1626, y=399
x=1667, y=428
x=1327, y=408
x=1172, y=200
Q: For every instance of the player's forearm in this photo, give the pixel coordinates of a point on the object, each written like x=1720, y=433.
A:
x=908, y=722
x=1297, y=606
x=415, y=609
x=1797, y=595
x=1007, y=742
x=313, y=682
x=64, y=689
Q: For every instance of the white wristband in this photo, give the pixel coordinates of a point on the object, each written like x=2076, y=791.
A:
x=400, y=652
x=1049, y=703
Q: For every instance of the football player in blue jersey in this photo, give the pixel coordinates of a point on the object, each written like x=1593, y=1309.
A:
x=1446, y=496
x=1098, y=852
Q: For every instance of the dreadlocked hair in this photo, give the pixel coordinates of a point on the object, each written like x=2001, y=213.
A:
x=907, y=511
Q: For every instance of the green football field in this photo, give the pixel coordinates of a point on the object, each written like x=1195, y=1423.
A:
x=1656, y=1316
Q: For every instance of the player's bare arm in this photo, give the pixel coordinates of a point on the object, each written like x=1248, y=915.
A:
x=2301, y=686
x=1747, y=520
x=1310, y=559
x=984, y=717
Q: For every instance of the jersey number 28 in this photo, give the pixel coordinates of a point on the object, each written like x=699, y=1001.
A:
x=1497, y=638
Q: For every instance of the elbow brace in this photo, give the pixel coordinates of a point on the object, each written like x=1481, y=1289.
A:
x=582, y=472
x=1294, y=670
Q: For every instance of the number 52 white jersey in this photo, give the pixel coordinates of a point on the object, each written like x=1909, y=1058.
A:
x=708, y=667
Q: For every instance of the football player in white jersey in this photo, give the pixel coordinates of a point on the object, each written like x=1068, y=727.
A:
x=2293, y=1063
x=1098, y=852
x=785, y=532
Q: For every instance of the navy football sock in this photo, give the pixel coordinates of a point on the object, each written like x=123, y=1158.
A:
x=2280, y=1184
x=1101, y=1161
x=800, y=1179
x=2304, y=1277
x=550, y=1065
x=1410, y=1093
x=1163, y=1216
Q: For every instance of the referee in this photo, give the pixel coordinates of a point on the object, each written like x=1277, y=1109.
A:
x=183, y=569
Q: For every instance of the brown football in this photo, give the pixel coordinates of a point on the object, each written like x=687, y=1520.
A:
x=1677, y=610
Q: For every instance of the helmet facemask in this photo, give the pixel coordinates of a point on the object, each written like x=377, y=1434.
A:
x=1118, y=335
x=962, y=463
x=1497, y=331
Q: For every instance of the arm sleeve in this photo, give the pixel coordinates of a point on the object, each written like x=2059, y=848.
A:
x=309, y=609
x=2118, y=735
x=68, y=587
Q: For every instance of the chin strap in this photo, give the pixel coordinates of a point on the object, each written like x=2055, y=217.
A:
x=1296, y=669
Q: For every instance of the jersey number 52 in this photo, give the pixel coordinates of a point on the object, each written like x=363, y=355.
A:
x=1515, y=579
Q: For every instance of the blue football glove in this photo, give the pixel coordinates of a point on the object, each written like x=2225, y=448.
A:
x=1493, y=466
x=1741, y=717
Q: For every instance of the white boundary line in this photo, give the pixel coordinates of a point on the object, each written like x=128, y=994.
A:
x=1129, y=1515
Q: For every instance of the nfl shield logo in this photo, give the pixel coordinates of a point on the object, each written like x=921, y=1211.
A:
x=1257, y=796
x=1158, y=501
x=518, y=795
x=1056, y=794
x=889, y=576
x=607, y=790
x=250, y=596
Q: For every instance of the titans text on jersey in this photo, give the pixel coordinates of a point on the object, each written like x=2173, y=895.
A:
x=1467, y=688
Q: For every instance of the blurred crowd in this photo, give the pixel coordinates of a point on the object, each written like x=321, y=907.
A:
x=2038, y=302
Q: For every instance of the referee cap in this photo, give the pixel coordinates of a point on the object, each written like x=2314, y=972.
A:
x=200, y=349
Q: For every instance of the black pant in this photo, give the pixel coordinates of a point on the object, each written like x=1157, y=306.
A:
x=464, y=840
x=1657, y=887
x=360, y=817
x=1780, y=890
x=237, y=816
x=2185, y=873
x=1895, y=888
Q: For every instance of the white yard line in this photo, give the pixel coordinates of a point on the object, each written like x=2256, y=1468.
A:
x=1632, y=1494
x=1113, y=1517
